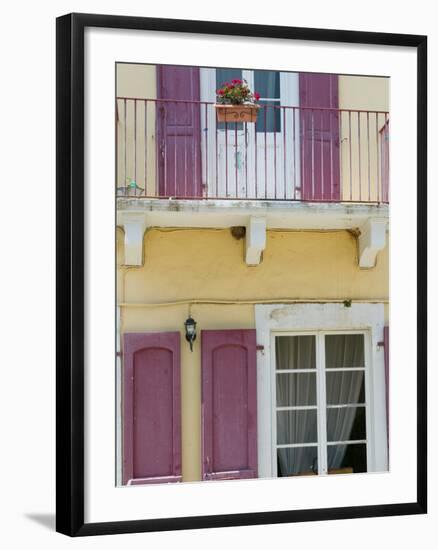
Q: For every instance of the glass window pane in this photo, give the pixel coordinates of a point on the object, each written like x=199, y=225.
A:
x=345, y=424
x=267, y=84
x=296, y=427
x=295, y=352
x=269, y=117
x=345, y=387
x=223, y=76
x=296, y=389
x=344, y=350
x=227, y=75
x=347, y=459
x=297, y=461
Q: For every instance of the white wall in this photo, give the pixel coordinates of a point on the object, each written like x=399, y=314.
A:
x=27, y=402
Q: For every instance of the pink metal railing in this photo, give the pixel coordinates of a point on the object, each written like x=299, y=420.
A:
x=174, y=148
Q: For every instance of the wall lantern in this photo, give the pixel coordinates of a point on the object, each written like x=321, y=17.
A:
x=190, y=325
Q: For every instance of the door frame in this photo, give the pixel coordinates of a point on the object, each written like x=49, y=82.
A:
x=289, y=95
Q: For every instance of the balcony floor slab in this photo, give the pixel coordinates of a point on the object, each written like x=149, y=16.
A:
x=211, y=213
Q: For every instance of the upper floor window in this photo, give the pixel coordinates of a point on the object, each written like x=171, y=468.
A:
x=267, y=84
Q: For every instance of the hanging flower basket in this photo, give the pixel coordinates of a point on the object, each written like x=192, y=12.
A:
x=237, y=113
x=236, y=102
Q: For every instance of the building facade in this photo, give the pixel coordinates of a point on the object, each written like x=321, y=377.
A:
x=273, y=237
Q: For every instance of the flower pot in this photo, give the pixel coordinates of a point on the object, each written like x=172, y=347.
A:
x=237, y=113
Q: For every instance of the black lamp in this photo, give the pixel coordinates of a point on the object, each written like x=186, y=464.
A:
x=190, y=325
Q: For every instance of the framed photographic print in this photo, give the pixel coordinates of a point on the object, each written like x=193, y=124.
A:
x=241, y=267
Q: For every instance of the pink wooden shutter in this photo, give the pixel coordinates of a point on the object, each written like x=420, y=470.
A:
x=386, y=350
x=179, y=131
x=229, y=404
x=320, y=165
x=151, y=408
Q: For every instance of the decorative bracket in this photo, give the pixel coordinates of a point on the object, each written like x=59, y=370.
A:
x=134, y=225
x=255, y=240
x=372, y=239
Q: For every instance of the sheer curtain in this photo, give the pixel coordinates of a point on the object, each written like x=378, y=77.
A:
x=296, y=352
x=342, y=388
x=299, y=389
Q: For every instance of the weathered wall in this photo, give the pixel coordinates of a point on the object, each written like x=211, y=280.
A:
x=187, y=264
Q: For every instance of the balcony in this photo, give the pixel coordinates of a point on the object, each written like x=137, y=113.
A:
x=296, y=168
x=177, y=149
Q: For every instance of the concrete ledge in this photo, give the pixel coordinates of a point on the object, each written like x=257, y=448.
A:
x=370, y=221
x=228, y=213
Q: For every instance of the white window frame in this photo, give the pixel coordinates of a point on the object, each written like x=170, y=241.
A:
x=364, y=318
x=321, y=397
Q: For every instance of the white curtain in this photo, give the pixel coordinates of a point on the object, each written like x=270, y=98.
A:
x=342, y=388
x=296, y=352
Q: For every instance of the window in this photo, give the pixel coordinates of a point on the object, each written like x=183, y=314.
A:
x=320, y=403
x=267, y=84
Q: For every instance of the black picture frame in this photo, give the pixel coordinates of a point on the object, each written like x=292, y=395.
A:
x=70, y=273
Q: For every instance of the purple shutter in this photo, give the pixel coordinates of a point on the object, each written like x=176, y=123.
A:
x=320, y=166
x=386, y=351
x=229, y=404
x=179, y=131
x=151, y=408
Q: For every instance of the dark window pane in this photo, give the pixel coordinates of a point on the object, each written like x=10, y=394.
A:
x=296, y=427
x=227, y=75
x=345, y=459
x=344, y=350
x=269, y=117
x=345, y=387
x=296, y=389
x=346, y=424
x=267, y=84
x=297, y=461
x=223, y=76
x=295, y=352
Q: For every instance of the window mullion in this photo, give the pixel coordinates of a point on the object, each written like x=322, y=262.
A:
x=322, y=403
x=249, y=77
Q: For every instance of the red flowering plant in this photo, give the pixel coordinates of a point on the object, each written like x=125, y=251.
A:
x=236, y=92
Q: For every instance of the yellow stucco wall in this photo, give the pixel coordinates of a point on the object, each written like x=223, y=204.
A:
x=208, y=264
x=136, y=81
x=360, y=164
x=364, y=92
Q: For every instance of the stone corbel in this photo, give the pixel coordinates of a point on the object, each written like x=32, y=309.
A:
x=134, y=225
x=255, y=240
x=372, y=239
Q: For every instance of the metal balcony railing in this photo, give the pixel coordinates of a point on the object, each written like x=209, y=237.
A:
x=178, y=149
